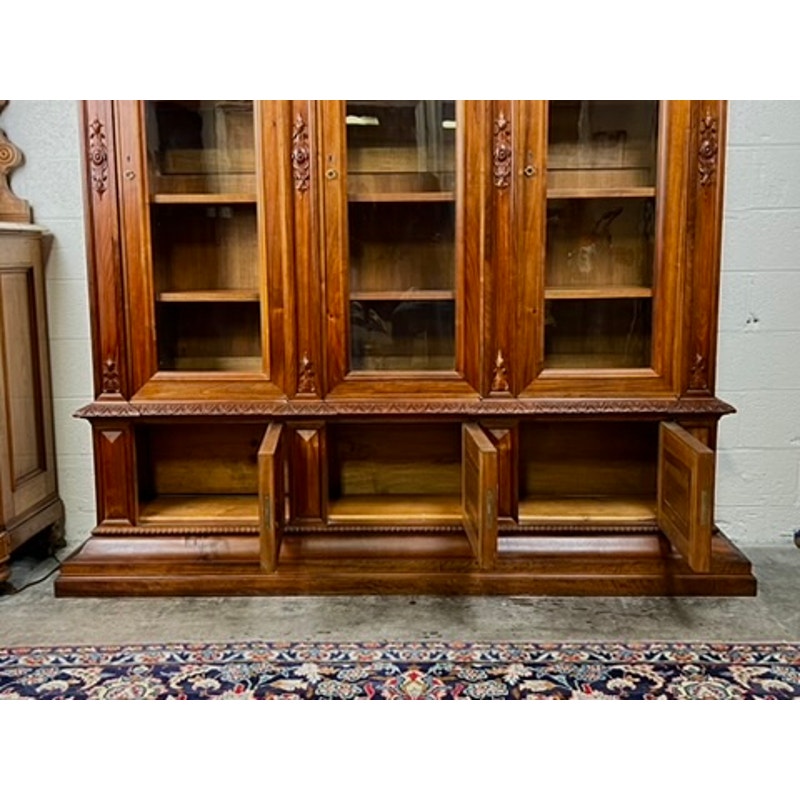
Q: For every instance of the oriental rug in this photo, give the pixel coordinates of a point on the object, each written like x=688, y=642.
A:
x=406, y=670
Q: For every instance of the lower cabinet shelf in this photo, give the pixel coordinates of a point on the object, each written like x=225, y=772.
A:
x=443, y=507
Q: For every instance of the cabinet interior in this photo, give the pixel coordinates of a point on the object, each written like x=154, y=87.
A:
x=588, y=473
x=190, y=473
x=402, y=473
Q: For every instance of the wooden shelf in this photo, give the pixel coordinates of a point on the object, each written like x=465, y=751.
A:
x=249, y=364
x=195, y=509
x=601, y=193
x=596, y=292
x=203, y=198
x=593, y=361
x=595, y=511
x=430, y=295
x=210, y=296
x=398, y=509
x=402, y=197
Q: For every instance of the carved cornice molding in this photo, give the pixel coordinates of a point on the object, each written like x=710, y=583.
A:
x=501, y=152
x=708, y=150
x=301, y=156
x=534, y=407
x=98, y=157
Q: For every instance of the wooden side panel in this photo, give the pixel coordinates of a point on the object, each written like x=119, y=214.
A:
x=703, y=245
x=685, y=494
x=27, y=467
x=529, y=215
x=332, y=169
x=505, y=438
x=271, y=506
x=472, y=270
x=307, y=471
x=479, y=493
x=111, y=373
x=115, y=468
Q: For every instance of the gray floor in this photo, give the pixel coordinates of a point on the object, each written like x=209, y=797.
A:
x=35, y=617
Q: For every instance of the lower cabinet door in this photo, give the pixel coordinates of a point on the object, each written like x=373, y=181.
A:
x=271, y=490
x=686, y=494
x=479, y=493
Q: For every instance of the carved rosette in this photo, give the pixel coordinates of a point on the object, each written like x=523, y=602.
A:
x=306, y=382
x=111, y=382
x=500, y=374
x=501, y=152
x=98, y=157
x=708, y=149
x=301, y=157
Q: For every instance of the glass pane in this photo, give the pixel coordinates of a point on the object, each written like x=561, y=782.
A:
x=211, y=336
x=602, y=144
x=597, y=334
x=401, y=233
x=601, y=237
x=204, y=234
x=605, y=244
x=201, y=146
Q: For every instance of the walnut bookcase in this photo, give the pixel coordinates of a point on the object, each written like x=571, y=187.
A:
x=405, y=346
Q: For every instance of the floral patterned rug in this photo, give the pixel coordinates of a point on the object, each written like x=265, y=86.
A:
x=404, y=671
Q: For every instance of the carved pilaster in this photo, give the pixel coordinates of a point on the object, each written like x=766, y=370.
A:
x=301, y=157
x=708, y=149
x=98, y=157
x=12, y=208
x=501, y=152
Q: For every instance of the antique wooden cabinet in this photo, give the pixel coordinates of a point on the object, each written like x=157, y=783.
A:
x=418, y=346
x=29, y=502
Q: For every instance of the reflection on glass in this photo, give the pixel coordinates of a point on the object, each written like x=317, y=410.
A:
x=603, y=243
x=204, y=234
x=602, y=144
x=597, y=334
x=401, y=233
x=601, y=233
x=201, y=145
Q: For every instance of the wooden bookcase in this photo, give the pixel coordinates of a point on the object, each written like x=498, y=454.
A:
x=421, y=346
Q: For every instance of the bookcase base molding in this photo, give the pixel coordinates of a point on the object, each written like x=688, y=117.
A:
x=421, y=563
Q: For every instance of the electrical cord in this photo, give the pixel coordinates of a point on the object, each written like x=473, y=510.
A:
x=11, y=590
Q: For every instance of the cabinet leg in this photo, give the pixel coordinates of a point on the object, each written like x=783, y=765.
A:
x=5, y=556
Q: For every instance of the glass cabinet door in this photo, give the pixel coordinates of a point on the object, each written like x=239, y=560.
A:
x=401, y=219
x=204, y=221
x=602, y=179
x=393, y=206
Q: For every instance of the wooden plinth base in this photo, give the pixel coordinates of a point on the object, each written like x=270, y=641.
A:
x=418, y=562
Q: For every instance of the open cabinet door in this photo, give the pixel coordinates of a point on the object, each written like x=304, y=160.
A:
x=271, y=494
x=685, y=492
x=479, y=493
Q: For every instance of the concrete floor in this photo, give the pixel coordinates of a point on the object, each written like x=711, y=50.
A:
x=35, y=617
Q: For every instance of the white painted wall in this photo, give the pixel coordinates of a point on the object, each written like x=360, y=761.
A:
x=758, y=500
